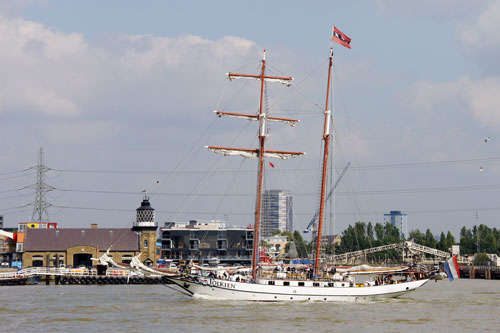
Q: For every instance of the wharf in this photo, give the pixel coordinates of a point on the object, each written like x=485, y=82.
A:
x=109, y=280
x=479, y=272
x=78, y=276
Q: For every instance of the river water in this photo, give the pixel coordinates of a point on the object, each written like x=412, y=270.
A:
x=462, y=305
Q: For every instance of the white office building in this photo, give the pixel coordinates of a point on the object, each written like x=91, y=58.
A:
x=399, y=220
x=277, y=212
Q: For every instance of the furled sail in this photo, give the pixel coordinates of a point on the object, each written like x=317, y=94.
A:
x=291, y=122
x=253, y=153
x=283, y=80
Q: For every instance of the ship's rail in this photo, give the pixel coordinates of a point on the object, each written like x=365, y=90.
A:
x=75, y=272
x=11, y=275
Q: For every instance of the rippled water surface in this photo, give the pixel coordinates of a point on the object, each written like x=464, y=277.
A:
x=463, y=305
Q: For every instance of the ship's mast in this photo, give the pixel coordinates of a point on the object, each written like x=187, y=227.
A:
x=259, y=153
x=260, y=172
x=326, y=144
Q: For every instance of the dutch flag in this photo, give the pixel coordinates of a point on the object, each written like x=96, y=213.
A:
x=451, y=268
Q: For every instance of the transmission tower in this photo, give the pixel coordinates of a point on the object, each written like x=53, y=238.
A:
x=40, y=213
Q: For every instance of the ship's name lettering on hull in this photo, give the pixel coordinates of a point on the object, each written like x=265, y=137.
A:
x=222, y=284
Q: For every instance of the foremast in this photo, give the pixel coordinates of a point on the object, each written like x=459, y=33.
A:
x=260, y=152
x=326, y=143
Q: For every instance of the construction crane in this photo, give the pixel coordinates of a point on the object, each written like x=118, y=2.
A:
x=313, y=220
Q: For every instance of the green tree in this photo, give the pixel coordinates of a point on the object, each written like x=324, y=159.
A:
x=300, y=244
x=369, y=235
x=481, y=259
x=348, y=240
x=379, y=232
x=391, y=234
x=417, y=236
x=467, y=244
x=360, y=233
x=450, y=240
x=442, y=244
x=429, y=239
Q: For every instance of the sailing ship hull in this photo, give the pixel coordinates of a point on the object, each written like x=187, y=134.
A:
x=210, y=288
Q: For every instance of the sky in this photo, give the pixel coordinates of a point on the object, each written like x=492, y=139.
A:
x=120, y=95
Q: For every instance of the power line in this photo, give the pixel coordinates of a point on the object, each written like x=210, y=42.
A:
x=13, y=190
x=15, y=196
x=13, y=172
x=420, y=211
x=394, y=191
x=12, y=177
x=11, y=208
x=368, y=167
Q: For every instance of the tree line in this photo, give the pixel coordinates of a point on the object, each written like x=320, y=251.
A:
x=478, y=239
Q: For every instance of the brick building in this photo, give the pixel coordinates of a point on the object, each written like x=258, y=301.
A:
x=77, y=246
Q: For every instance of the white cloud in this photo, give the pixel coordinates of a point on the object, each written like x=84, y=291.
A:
x=146, y=52
x=483, y=97
x=33, y=62
x=478, y=97
x=49, y=74
x=481, y=40
x=483, y=32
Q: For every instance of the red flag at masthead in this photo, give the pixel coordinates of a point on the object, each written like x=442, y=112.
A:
x=339, y=37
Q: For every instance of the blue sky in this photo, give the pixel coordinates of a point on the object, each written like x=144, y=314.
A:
x=129, y=86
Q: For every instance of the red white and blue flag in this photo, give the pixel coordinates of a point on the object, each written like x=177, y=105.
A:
x=339, y=37
x=451, y=268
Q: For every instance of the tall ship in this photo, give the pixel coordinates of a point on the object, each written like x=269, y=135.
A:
x=315, y=283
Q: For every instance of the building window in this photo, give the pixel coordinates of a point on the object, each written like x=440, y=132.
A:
x=37, y=263
x=145, y=243
x=221, y=244
x=166, y=245
x=194, y=245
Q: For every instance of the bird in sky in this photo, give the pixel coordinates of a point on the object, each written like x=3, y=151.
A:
x=487, y=139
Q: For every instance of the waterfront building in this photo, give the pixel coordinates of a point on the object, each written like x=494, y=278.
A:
x=398, y=220
x=277, y=212
x=23, y=226
x=77, y=246
x=201, y=241
x=7, y=244
x=275, y=245
x=331, y=239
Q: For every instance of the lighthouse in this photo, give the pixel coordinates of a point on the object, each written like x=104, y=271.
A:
x=146, y=227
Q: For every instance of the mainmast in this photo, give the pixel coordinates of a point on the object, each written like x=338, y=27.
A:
x=259, y=153
x=338, y=37
x=326, y=144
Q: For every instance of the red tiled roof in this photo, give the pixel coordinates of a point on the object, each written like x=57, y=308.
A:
x=121, y=239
